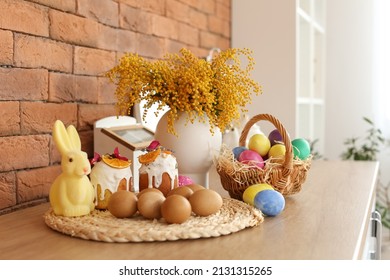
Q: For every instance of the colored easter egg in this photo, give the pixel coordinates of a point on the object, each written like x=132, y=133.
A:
x=277, y=150
x=237, y=151
x=275, y=137
x=250, y=192
x=260, y=144
x=270, y=202
x=184, y=180
x=251, y=158
x=301, y=148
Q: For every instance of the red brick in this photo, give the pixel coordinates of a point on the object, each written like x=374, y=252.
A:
x=39, y=117
x=223, y=11
x=154, y=6
x=24, y=17
x=135, y=19
x=164, y=27
x=38, y=52
x=7, y=190
x=55, y=156
x=67, y=88
x=177, y=10
x=199, y=52
x=126, y=41
x=197, y=19
x=88, y=61
x=86, y=138
x=227, y=3
x=192, y=3
x=223, y=43
x=108, y=38
x=206, y=6
x=23, y=84
x=104, y=11
x=210, y=40
x=21, y=152
x=106, y=91
x=89, y=114
x=61, y=87
x=35, y=183
x=73, y=29
x=188, y=34
x=219, y=26
x=86, y=88
x=172, y=46
x=150, y=46
x=131, y=3
x=6, y=47
x=10, y=118
x=63, y=5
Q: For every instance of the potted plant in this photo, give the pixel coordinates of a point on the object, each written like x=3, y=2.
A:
x=207, y=94
x=217, y=90
x=367, y=149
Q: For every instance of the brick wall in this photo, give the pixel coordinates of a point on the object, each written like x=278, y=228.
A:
x=53, y=54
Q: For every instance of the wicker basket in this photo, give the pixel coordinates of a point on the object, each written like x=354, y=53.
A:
x=285, y=175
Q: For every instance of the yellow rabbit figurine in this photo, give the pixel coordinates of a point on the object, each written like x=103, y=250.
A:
x=71, y=194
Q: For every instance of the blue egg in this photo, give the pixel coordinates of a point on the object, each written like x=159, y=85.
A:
x=270, y=202
x=238, y=150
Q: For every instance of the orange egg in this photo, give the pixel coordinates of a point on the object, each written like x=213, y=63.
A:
x=176, y=209
x=122, y=204
x=149, y=190
x=195, y=187
x=149, y=205
x=205, y=202
x=183, y=191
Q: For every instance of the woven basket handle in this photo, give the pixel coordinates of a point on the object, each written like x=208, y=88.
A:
x=288, y=162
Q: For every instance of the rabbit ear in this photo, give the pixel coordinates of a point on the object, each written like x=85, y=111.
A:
x=74, y=137
x=61, y=137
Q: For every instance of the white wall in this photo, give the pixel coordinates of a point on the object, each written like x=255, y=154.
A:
x=269, y=29
x=349, y=72
x=270, y=33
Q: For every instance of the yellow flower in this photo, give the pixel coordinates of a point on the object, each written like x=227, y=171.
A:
x=219, y=89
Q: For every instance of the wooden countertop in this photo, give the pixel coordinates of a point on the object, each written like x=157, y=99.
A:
x=328, y=219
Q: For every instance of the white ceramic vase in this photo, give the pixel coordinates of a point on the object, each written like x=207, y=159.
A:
x=194, y=146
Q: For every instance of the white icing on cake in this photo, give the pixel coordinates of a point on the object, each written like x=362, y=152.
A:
x=163, y=163
x=108, y=178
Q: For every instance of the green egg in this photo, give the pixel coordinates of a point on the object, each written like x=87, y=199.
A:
x=301, y=148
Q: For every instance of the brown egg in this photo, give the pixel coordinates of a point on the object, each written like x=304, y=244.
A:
x=149, y=190
x=195, y=187
x=149, y=205
x=183, y=191
x=176, y=209
x=205, y=202
x=122, y=204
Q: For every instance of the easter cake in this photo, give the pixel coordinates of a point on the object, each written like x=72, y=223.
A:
x=158, y=169
x=109, y=173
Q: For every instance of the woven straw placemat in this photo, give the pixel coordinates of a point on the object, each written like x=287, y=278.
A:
x=102, y=226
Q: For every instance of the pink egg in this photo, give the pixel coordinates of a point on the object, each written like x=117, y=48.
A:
x=184, y=180
x=251, y=158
